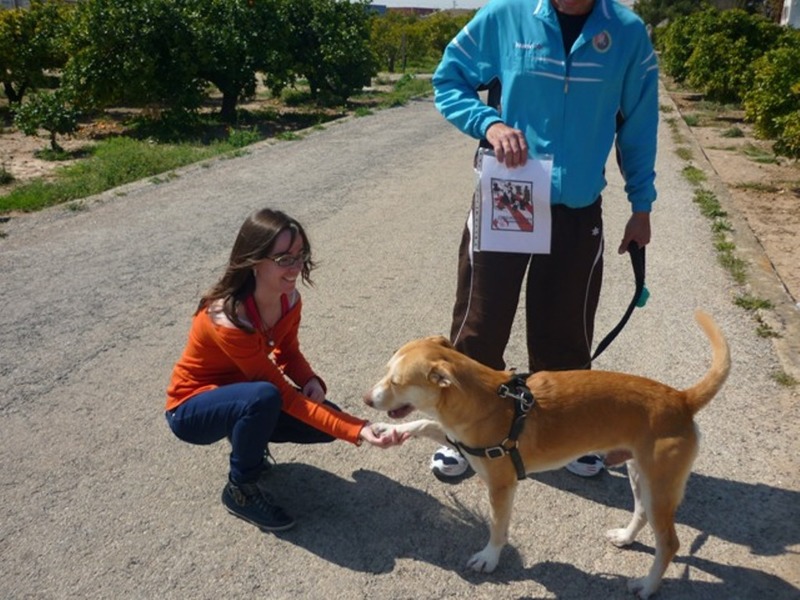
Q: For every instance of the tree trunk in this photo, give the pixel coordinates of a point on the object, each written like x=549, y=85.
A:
x=229, y=102
x=54, y=144
x=13, y=96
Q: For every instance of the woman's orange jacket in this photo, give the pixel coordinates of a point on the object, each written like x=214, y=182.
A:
x=216, y=355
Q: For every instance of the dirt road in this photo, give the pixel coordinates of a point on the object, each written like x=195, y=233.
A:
x=99, y=500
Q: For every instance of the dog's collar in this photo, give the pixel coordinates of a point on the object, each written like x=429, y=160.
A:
x=517, y=389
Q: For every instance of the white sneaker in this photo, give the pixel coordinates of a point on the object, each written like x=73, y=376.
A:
x=448, y=463
x=586, y=466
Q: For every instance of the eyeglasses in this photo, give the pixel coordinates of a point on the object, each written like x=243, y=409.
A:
x=288, y=261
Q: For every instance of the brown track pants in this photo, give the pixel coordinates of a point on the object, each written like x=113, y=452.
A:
x=562, y=293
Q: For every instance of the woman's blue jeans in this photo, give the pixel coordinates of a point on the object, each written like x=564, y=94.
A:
x=249, y=415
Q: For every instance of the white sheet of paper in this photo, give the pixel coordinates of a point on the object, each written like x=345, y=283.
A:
x=512, y=209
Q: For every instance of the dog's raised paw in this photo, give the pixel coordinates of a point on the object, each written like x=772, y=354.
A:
x=380, y=428
x=619, y=537
x=484, y=561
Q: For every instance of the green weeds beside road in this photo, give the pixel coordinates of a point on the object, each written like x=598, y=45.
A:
x=154, y=148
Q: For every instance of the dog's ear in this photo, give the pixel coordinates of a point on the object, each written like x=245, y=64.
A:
x=440, y=375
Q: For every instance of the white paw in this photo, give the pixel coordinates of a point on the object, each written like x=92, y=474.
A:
x=619, y=537
x=484, y=561
x=381, y=428
x=641, y=587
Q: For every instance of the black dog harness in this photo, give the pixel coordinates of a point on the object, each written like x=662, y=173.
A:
x=517, y=389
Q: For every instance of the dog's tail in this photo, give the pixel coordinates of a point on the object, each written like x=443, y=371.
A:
x=704, y=390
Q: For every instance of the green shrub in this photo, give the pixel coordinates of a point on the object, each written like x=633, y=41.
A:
x=788, y=140
x=239, y=138
x=776, y=90
x=720, y=63
x=677, y=42
x=48, y=111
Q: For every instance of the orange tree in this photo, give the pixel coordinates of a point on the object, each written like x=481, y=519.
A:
x=31, y=41
x=328, y=45
x=165, y=53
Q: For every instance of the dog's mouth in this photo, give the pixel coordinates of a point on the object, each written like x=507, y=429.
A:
x=399, y=413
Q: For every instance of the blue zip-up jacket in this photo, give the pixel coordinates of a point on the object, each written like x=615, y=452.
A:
x=566, y=106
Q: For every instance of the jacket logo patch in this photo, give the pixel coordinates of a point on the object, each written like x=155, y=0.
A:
x=602, y=42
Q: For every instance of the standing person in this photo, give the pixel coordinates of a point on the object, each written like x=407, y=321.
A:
x=237, y=375
x=564, y=78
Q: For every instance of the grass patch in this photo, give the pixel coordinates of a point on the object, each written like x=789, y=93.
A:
x=665, y=108
x=691, y=120
x=693, y=175
x=784, y=379
x=764, y=330
x=406, y=88
x=288, y=136
x=677, y=136
x=734, y=265
x=751, y=303
x=362, y=111
x=732, y=132
x=113, y=162
x=720, y=226
x=684, y=153
x=758, y=186
x=239, y=138
x=758, y=155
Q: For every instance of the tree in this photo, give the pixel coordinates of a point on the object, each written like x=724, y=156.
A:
x=677, y=41
x=164, y=53
x=388, y=38
x=775, y=92
x=441, y=27
x=49, y=111
x=134, y=53
x=31, y=42
x=329, y=45
x=720, y=63
x=233, y=39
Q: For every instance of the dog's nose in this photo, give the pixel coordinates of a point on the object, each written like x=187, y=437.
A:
x=368, y=399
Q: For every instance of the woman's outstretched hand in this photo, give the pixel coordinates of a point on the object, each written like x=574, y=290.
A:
x=381, y=435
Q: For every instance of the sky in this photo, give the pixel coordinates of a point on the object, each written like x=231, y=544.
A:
x=447, y=3
x=432, y=3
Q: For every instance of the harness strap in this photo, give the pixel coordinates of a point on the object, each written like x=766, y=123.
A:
x=517, y=389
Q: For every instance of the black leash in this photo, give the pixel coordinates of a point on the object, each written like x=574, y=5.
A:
x=640, y=297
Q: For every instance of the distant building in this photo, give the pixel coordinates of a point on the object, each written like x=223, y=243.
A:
x=791, y=13
x=15, y=4
x=411, y=10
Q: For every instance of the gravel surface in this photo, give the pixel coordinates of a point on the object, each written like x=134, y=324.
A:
x=99, y=500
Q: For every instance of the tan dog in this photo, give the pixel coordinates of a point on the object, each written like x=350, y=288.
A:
x=575, y=413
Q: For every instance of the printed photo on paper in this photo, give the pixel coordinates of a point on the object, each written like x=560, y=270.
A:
x=512, y=208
